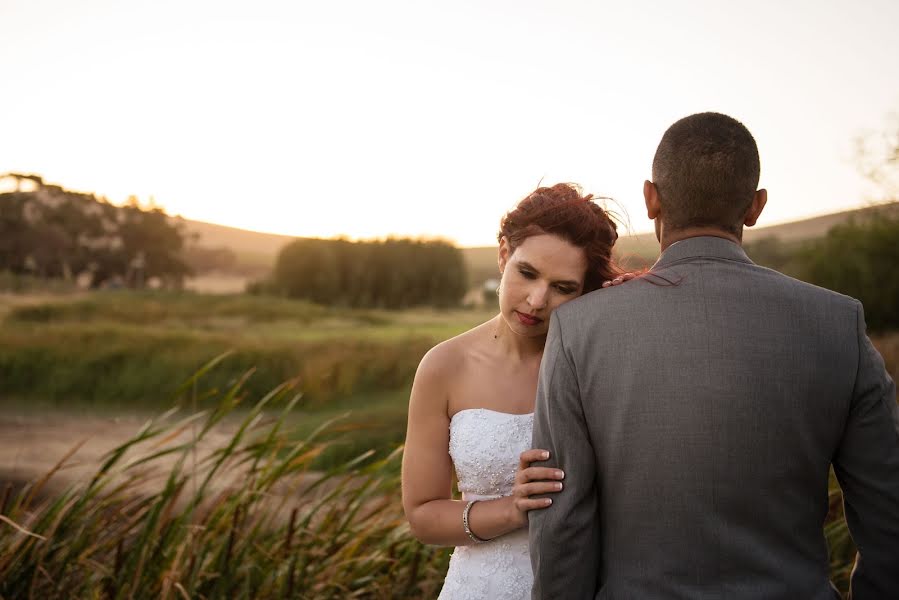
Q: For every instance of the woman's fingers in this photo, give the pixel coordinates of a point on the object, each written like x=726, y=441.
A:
x=530, y=481
x=619, y=280
x=538, y=474
x=533, y=455
x=538, y=487
x=526, y=504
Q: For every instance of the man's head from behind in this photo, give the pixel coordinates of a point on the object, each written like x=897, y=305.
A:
x=705, y=173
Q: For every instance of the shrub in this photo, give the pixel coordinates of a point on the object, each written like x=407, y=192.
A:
x=393, y=273
x=860, y=259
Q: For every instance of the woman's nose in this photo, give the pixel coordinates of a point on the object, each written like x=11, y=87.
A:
x=537, y=297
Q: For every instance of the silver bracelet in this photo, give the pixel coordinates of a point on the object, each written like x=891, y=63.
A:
x=466, y=526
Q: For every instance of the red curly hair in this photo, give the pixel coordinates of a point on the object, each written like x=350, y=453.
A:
x=564, y=210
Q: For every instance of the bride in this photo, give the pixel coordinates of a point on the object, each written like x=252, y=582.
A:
x=472, y=401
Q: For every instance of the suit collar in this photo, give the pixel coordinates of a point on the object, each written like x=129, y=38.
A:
x=705, y=246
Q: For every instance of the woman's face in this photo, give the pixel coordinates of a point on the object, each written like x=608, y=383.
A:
x=542, y=273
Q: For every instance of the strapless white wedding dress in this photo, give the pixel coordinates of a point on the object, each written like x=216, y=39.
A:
x=485, y=445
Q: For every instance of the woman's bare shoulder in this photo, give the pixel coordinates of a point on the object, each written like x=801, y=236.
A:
x=450, y=356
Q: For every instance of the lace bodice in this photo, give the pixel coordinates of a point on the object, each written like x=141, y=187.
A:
x=484, y=446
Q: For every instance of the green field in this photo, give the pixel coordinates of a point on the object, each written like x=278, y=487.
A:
x=130, y=352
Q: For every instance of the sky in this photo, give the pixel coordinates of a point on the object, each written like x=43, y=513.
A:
x=417, y=118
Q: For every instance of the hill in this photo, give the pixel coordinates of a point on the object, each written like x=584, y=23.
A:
x=642, y=249
x=257, y=250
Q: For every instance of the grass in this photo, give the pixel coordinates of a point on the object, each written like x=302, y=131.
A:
x=156, y=521
x=27, y=284
x=119, y=352
x=128, y=368
x=240, y=315
x=128, y=350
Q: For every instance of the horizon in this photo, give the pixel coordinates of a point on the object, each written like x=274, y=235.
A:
x=629, y=231
x=629, y=234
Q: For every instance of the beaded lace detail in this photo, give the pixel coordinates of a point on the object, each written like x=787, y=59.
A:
x=484, y=446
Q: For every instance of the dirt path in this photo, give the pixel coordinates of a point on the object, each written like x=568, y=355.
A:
x=32, y=444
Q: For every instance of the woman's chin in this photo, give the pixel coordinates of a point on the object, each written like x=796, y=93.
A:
x=524, y=329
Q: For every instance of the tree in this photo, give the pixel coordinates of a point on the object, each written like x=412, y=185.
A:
x=53, y=232
x=774, y=253
x=151, y=246
x=392, y=273
x=877, y=157
x=309, y=269
x=860, y=259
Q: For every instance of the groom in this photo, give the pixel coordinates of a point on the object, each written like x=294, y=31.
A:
x=697, y=411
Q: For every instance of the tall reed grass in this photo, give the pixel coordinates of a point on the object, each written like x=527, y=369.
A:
x=168, y=515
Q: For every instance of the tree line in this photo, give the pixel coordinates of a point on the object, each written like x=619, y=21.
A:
x=51, y=232
x=391, y=273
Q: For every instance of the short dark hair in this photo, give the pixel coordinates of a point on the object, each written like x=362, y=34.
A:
x=706, y=170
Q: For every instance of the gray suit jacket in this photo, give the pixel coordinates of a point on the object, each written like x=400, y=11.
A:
x=696, y=420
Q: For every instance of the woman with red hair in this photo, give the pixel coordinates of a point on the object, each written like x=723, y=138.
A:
x=472, y=401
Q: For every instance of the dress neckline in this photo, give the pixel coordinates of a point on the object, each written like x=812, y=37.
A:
x=490, y=410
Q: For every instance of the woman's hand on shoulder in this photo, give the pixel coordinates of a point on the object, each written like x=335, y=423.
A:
x=530, y=481
x=619, y=280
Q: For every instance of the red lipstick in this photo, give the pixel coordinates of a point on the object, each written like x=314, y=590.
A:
x=528, y=320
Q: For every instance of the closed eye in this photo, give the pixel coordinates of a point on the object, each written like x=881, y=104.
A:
x=527, y=274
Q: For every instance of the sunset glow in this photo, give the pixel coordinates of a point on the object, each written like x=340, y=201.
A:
x=370, y=118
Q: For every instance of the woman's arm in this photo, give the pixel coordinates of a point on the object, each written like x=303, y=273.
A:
x=427, y=469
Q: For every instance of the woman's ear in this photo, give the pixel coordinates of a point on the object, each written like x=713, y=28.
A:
x=504, y=253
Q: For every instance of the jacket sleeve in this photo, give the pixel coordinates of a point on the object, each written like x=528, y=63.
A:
x=564, y=537
x=867, y=467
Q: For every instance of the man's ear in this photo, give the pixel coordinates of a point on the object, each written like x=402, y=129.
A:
x=651, y=196
x=759, y=199
x=505, y=252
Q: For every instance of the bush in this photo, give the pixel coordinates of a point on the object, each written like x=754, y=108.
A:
x=393, y=273
x=860, y=259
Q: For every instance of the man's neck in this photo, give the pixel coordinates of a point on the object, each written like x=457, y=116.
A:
x=668, y=238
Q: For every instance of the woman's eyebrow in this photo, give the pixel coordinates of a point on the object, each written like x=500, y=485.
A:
x=525, y=264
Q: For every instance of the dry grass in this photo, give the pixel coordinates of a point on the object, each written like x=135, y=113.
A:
x=178, y=511
x=217, y=283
